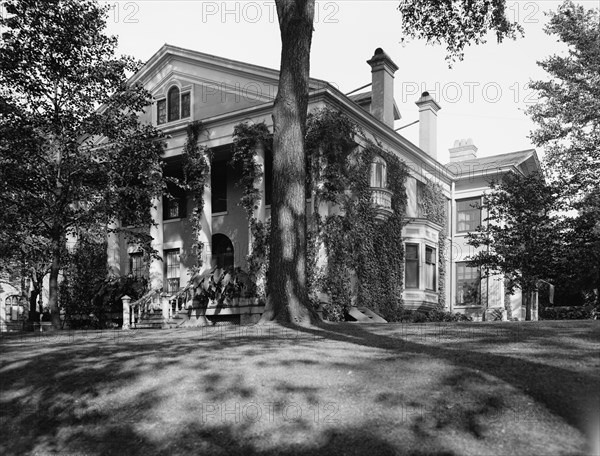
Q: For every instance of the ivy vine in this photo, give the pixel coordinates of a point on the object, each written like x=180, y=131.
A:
x=196, y=175
x=246, y=139
x=432, y=204
x=365, y=257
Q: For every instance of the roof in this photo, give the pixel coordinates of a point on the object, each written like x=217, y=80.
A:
x=525, y=160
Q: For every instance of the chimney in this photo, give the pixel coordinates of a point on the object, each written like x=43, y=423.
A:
x=382, y=87
x=463, y=149
x=428, y=109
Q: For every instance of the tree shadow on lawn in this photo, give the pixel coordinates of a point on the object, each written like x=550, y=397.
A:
x=572, y=395
x=98, y=396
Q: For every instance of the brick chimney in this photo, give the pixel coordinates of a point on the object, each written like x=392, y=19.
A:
x=428, y=109
x=463, y=149
x=382, y=88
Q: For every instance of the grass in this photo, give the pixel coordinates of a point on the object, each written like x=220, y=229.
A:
x=447, y=389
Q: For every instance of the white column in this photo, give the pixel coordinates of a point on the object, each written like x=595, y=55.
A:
x=156, y=266
x=206, y=234
x=2, y=314
x=260, y=211
x=113, y=250
x=126, y=300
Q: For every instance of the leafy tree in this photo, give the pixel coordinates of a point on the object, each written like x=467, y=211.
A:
x=456, y=23
x=83, y=277
x=520, y=239
x=61, y=90
x=568, y=118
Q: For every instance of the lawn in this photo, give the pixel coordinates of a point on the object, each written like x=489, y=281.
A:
x=529, y=388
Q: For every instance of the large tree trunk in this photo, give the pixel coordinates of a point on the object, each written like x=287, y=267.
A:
x=53, y=285
x=527, y=299
x=287, y=294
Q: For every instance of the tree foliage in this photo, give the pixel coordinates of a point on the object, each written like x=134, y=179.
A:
x=61, y=90
x=568, y=119
x=457, y=23
x=520, y=238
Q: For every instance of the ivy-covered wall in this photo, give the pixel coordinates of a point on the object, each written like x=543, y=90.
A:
x=433, y=205
x=352, y=253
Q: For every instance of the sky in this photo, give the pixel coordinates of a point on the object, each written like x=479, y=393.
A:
x=483, y=97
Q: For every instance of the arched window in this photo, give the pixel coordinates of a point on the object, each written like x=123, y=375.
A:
x=175, y=106
x=222, y=251
x=173, y=100
x=378, y=173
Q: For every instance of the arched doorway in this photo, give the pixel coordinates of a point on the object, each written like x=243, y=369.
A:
x=222, y=251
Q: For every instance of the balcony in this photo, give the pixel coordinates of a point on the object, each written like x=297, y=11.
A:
x=382, y=199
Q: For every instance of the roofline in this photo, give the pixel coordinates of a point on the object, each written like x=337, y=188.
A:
x=217, y=61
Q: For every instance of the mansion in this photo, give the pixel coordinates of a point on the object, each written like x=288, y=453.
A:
x=192, y=86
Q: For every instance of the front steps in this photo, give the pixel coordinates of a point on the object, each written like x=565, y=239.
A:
x=364, y=315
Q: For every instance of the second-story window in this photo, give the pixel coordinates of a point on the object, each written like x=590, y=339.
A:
x=174, y=206
x=173, y=100
x=378, y=173
x=176, y=106
x=468, y=215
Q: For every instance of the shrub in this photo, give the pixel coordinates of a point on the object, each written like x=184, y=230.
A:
x=569, y=313
x=414, y=316
x=218, y=284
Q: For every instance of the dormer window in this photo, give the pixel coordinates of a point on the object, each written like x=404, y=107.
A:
x=176, y=106
x=378, y=173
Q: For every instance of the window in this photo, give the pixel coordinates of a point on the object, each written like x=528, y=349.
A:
x=222, y=251
x=468, y=281
x=176, y=106
x=173, y=273
x=468, y=215
x=136, y=264
x=174, y=206
x=379, y=173
x=430, y=270
x=14, y=307
x=161, y=111
x=173, y=99
x=185, y=105
x=412, y=266
x=218, y=176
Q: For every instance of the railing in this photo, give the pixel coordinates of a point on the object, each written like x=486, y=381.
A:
x=150, y=301
x=382, y=199
x=179, y=300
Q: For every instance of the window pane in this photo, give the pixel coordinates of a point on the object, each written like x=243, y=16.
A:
x=161, y=111
x=468, y=215
x=173, y=274
x=412, y=274
x=173, y=208
x=412, y=252
x=185, y=105
x=468, y=281
x=412, y=266
x=173, y=104
x=136, y=264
